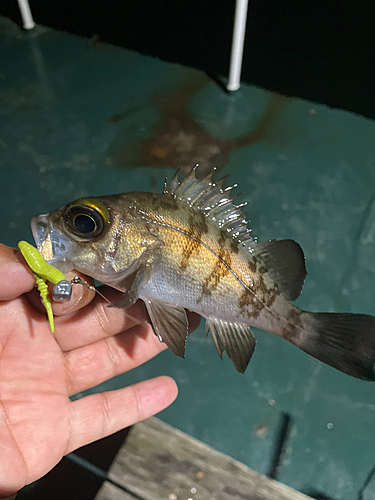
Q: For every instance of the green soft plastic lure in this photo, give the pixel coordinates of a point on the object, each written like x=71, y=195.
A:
x=43, y=272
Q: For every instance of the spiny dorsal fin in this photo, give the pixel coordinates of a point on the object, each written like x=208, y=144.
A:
x=213, y=200
x=283, y=261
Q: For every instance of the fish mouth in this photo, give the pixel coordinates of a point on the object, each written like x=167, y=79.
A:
x=51, y=243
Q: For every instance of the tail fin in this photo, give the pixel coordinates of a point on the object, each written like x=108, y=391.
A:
x=344, y=341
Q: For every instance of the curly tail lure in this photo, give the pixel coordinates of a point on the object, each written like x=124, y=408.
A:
x=44, y=272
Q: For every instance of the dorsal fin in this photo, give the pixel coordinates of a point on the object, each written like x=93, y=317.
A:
x=214, y=201
x=283, y=261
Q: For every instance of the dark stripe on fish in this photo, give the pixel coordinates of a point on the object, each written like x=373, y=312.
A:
x=197, y=226
x=220, y=270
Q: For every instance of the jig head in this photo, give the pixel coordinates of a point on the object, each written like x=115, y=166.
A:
x=44, y=272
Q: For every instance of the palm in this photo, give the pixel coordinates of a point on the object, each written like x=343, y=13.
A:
x=34, y=395
x=39, y=371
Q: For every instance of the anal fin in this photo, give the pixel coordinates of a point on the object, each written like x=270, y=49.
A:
x=235, y=338
x=169, y=322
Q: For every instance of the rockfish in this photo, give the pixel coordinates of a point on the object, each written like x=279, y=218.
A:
x=190, y=248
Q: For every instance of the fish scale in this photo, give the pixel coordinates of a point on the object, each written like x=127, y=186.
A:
x=190, y=248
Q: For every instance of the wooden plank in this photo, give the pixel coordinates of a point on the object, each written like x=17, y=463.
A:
x=109, y=491
x=159, y=462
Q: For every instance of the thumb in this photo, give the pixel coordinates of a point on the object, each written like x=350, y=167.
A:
x=16, y=276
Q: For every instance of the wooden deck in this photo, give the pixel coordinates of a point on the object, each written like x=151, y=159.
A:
x=159, y=462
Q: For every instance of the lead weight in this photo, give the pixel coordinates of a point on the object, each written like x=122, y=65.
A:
x=62, y=290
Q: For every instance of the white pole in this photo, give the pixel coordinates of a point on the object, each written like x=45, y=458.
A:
x=27, y=18
x=239, y=29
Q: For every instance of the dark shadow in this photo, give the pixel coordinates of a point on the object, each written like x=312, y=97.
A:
x=102, y=452
x=362, y=491
x=65, y=481
x=80, y=475
x=282, y=437
x=317, y=495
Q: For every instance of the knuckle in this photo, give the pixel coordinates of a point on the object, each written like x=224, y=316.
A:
x=113, y=357
x=106, y=413
x=103, y=319
x=136, y=405
x=69, y=377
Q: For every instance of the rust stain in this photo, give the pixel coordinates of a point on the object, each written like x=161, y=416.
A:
x=261, y=429
x=273, y=110
x=177, y=140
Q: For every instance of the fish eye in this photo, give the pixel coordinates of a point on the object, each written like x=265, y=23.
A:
x=84, y=223
x=84, y=220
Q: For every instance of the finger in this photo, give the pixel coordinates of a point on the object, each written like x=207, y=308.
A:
x=93, y=364
x=16, y=276
x=96, y=321
x=81, y=296
x=100, y=415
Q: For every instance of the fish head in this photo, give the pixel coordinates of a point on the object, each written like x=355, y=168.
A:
x=96, y=236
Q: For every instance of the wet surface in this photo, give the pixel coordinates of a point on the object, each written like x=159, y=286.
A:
x=308, y=174
x=179, y=140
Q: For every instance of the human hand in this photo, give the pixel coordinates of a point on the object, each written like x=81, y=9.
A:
x=39, y=371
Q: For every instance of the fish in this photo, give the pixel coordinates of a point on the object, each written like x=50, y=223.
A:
x=190, y=248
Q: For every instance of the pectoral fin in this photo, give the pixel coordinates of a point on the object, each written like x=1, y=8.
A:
x=236, y=339
x=170, y=324
x=132, y=284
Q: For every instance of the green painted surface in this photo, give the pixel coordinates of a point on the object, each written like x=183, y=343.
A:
x=309, y=175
